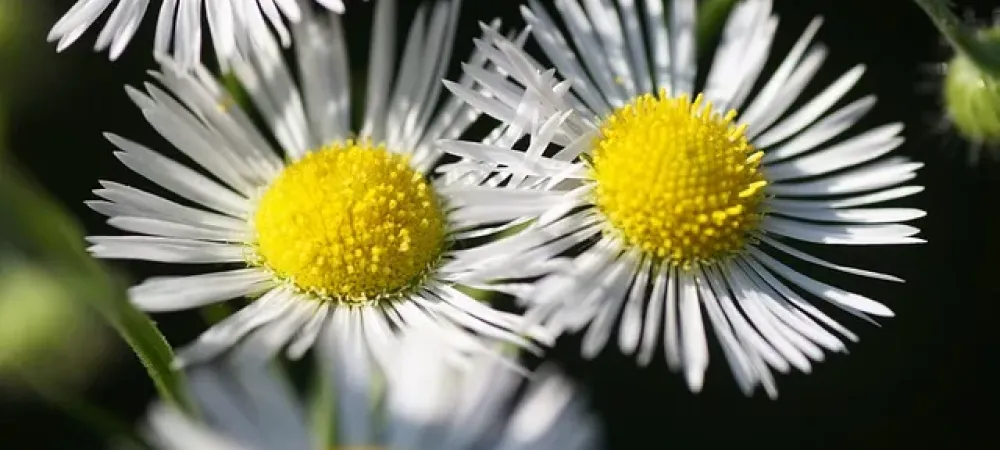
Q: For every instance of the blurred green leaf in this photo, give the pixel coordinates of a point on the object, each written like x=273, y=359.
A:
x=40, y=323
x=26, y=61
x=37, y=229
x=321, y=409
x=712, y=16
x=238, y=96
x=984, y=53
x=213, y=314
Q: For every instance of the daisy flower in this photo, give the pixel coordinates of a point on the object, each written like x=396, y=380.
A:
x=428, y=402
x=682, y=205
x=341, y=235
x=179, y=24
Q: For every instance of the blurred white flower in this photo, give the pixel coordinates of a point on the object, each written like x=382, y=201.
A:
x=427, y=402
x=231, y=24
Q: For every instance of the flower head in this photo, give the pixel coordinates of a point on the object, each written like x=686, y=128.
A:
x=674, y=198
x=426, y=402
x=232, y=24
x=344, y=238
x=971, y=98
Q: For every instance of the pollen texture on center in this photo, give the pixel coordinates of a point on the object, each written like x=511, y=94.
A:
x=350, y=222
x=677, y=179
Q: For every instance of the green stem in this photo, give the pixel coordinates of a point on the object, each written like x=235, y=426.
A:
x=153, y=351
x=48, y=233
x=959, y=36
x=322, y=408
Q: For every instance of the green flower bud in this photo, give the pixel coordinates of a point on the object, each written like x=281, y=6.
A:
x=972, y=96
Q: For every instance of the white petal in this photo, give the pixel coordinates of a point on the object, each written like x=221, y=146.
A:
x=835, y=295
x=264, y=343
x=325, y=78
x=682, y=36
x=173, y=431
x=739, y=361
x=654, y=316
x=225, y=334
x=185, y=292
x=612, y=290
x=554, y=44
x=671, y=323
x=787, y=312
x=551, y=415
x=825, y=129
x=631, y=325
x=582, y=33
x=179, y=179
x=421, y=395
x=769, y=103
x=382, y=53
x=858, y=215
x=152, y=248
x=889, y=172
x=812, y=110
x=842, y=234
x=157, y=227
x=760, y=273
x=129, y=201
x=812, y=259
x=771, y=330
x=760, y=352
x=857, y=150
x=694, y=346
x=347, y=361
x=860, y=200
x=307, y=336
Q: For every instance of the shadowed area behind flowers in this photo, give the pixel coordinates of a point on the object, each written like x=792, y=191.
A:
x=917, y=378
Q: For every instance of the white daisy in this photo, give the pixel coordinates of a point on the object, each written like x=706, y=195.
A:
x=343, y=238
x=677, y=211
x=428, y=403
x=179, y=24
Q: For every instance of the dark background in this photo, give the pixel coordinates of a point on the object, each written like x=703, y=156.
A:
x=922, y=378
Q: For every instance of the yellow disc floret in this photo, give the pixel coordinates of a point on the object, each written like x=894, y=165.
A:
x=351, y=222
x=677, y=180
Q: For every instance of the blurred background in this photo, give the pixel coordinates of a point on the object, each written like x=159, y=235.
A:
x=924, y=377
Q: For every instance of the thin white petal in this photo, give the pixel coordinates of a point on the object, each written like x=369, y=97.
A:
x=185, y=292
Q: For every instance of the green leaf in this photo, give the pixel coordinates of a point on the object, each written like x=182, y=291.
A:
x=712, y=16
x=152, y=348
x=34, y=227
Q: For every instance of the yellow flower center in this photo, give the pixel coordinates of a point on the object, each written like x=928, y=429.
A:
x=677, y=180
x=351, y=222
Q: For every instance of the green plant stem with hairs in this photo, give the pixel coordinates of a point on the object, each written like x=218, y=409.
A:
x=961, y=38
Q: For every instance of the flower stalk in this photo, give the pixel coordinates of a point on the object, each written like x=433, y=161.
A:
x=961, y=38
